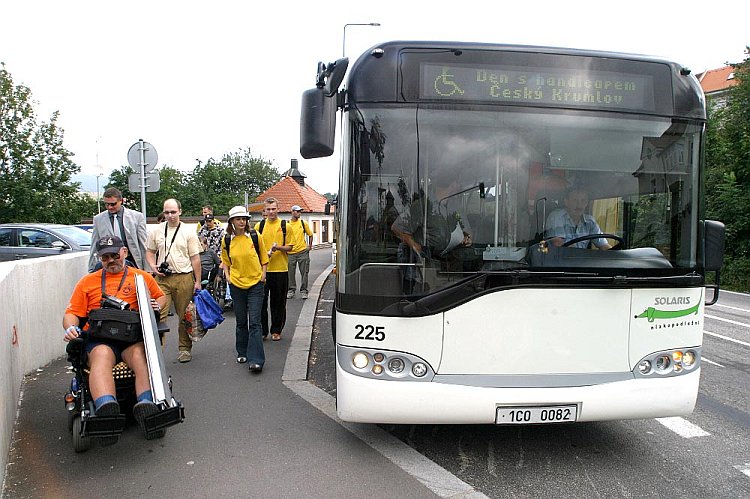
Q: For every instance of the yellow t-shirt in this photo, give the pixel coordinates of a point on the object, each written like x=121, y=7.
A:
x=298, y=235
x=245, y=266
x=272, y=233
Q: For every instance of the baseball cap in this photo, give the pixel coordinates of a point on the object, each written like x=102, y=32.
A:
x=238, y=211
x=208, y=217
x=108, y=245
x=296, y=207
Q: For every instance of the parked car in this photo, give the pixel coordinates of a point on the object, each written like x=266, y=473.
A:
x=30, y=240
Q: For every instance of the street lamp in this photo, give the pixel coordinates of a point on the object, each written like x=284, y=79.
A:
x=98, y=199
x=343, y=44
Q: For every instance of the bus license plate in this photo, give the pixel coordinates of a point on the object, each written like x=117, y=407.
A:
x=531, y=415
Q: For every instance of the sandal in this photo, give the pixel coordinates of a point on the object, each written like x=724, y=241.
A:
x=275, y=336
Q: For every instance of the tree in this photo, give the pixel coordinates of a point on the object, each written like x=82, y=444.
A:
x=35, y=167
x=223, y=184
x=728, y=175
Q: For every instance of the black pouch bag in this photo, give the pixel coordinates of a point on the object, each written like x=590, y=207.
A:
x=115, y=325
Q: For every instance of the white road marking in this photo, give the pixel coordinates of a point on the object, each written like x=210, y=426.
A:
x=743, y=468
x=683, y=427
x=734, y=292
x=703, y=359
x=323, y=316
x=744, y=343
x=730, y=321
x=733, y=308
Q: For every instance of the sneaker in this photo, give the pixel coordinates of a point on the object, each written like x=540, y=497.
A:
x=109, y=409
x=184, y=356
x=303, y=295
x=227, y=304
x=241, y=360
x=276, y=336
x=290, y=294
x=141, y=411
x=255, y=368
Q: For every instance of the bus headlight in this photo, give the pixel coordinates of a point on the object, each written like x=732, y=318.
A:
x=419, y=369
x=396, y=365
x=644, y=366
x=360, y=360
x=387, y=365
x=663, y=362
x=688, y=359
x=668, y=363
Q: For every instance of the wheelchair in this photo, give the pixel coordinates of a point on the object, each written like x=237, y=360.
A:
x=216, y=284
x=83, y=423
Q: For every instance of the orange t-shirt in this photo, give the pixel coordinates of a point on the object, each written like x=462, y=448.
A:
x=87, y=294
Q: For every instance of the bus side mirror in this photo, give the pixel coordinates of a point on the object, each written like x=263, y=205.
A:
x=317, y=124
x=714, y=234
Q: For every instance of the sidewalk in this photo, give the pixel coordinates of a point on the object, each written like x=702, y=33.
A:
x=244, y=435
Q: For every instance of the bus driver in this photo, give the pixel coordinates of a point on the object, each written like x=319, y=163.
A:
x=566, y=224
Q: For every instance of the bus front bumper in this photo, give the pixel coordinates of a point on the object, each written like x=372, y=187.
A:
x=366, y=400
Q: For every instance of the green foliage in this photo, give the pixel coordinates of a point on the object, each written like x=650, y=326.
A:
x=35, y=167
x=223, y=183
x=728, y=175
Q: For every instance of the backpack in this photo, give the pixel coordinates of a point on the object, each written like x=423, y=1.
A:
x=283, y=229
x=253, y=236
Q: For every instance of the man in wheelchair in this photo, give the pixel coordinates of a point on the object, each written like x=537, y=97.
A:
x=113, y=286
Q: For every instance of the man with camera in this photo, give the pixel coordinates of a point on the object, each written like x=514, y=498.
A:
x=174, y=258
x=114, y=286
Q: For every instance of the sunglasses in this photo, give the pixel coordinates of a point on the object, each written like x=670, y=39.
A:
x=171, y=212
x=111, y=204
x=110, y=256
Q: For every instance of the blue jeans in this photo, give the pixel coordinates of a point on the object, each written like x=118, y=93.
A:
x=247, y=305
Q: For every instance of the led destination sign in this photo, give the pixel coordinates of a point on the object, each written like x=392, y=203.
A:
x=546, y=86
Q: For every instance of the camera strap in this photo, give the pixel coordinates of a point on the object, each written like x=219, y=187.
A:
x=104, y=282
x=166, y=226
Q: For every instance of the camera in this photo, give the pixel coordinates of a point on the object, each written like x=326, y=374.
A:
x=164, y=268
x=114, y=302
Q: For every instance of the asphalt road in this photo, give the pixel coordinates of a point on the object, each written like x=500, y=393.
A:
x=706, y=454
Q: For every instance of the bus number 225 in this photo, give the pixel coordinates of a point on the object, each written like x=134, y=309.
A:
x=369, y=332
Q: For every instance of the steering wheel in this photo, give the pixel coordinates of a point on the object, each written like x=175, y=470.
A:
x=589, y=237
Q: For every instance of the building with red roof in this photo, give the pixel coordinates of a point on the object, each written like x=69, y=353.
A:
x=292, y=190
x=716, y=83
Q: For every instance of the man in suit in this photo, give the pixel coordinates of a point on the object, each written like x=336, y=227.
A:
x=129, y=225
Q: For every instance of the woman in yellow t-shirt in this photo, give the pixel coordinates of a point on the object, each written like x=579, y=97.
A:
x=245, y=257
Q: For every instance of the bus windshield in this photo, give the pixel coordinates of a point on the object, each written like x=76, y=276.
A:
x=441, y=192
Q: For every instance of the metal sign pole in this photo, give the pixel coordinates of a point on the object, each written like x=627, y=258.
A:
x=142, y=150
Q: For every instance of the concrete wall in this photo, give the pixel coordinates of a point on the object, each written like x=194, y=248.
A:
x=33, y=297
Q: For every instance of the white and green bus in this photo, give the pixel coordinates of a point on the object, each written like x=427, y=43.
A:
x=520, y=233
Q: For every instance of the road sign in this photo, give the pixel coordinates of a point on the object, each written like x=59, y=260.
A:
x=150, y=156
x=152, y=184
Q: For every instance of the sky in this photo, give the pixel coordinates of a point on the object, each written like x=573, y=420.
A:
x=198, y=80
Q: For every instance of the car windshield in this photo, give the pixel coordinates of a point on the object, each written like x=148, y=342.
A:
x=438, y=194
x=79, y=236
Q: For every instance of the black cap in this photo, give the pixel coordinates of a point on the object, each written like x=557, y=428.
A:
x=108, y=244
x=208, y=217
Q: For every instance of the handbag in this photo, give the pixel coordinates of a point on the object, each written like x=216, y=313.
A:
x=115, y=325
x=209, y=311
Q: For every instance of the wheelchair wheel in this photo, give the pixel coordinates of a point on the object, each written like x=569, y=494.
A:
x=80, y=443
